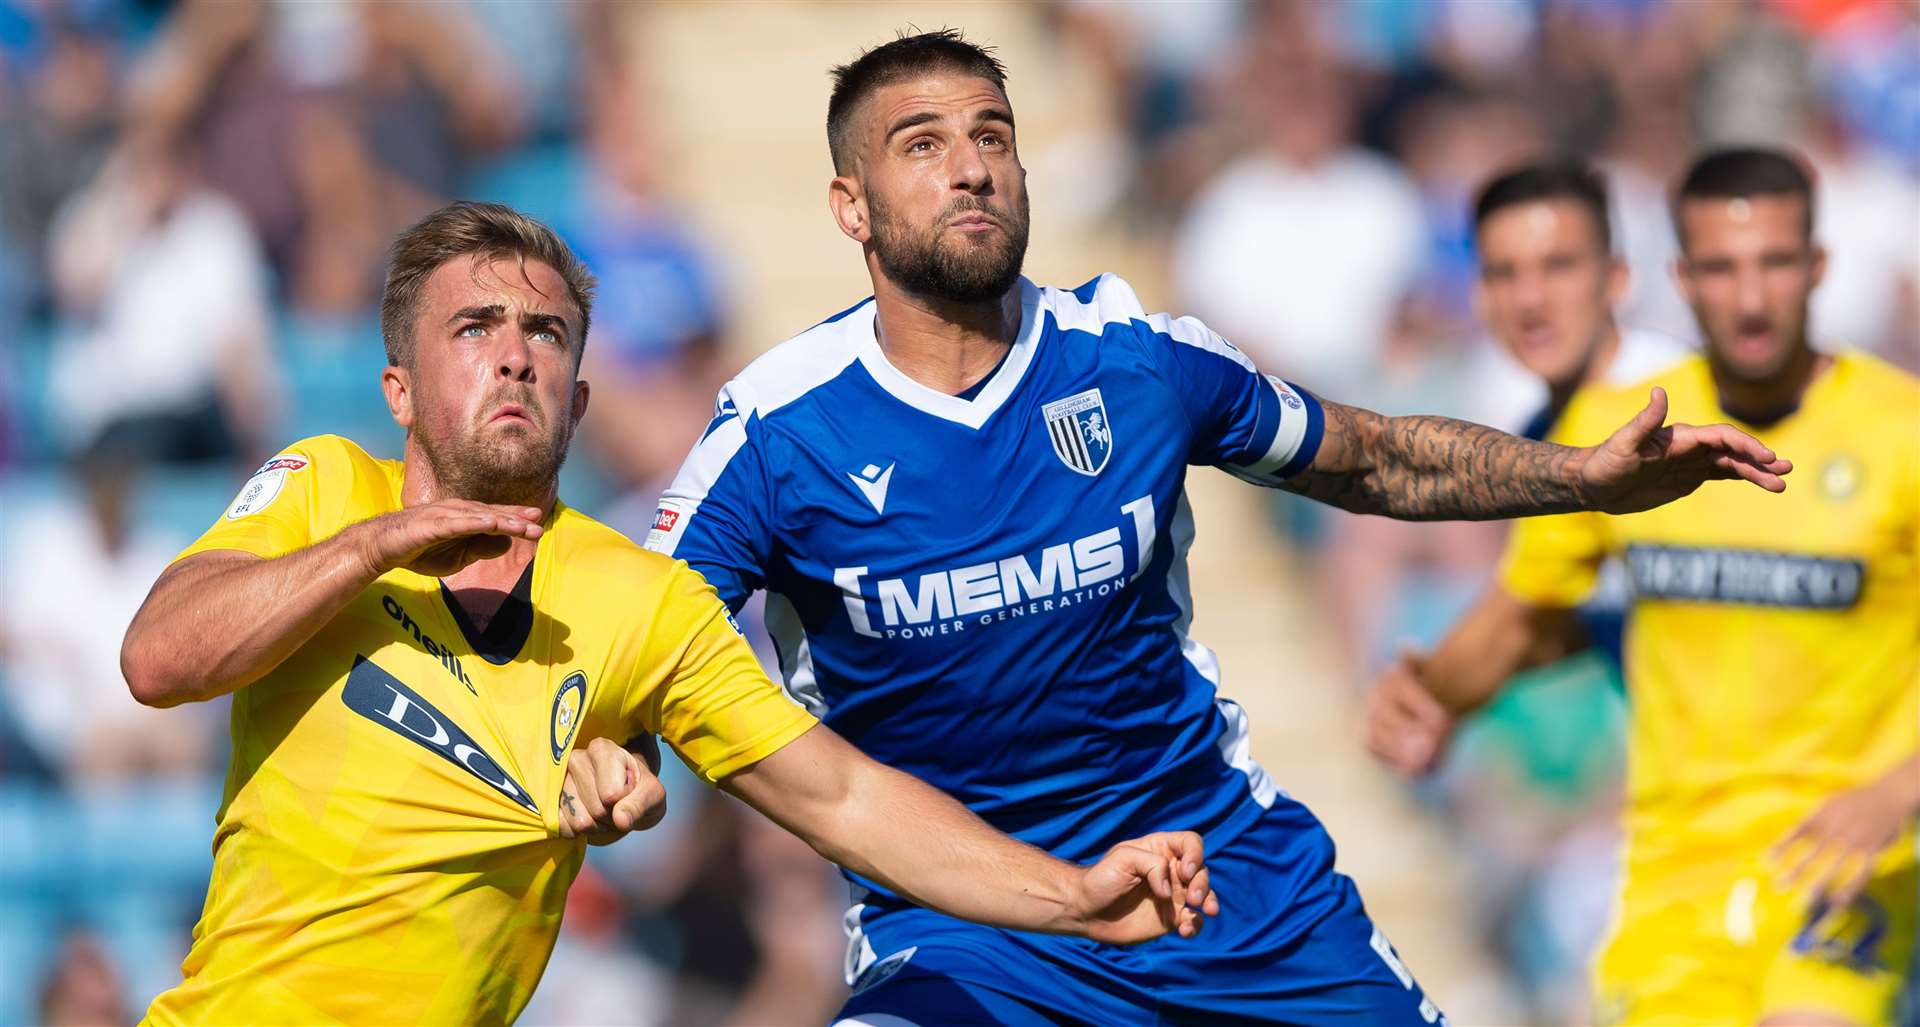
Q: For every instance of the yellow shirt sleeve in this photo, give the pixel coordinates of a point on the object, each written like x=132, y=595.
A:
x=280, y=509
x=1555, y=561
x=700, y=687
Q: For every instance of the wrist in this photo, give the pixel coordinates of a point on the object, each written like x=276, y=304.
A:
x=1574, y=471
x=1903, y=784
x=362, y=555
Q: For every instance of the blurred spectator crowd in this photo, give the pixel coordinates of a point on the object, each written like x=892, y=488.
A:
x=196, y=197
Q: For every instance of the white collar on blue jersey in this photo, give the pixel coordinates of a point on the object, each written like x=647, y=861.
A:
x=974, y=412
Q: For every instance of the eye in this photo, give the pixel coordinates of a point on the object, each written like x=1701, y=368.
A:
x=472, y=331
x=992, y=139
x=920, y=145
x=546, y=335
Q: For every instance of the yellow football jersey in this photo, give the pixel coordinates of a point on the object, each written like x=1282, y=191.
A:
x=1772, y=660
x=387, y=850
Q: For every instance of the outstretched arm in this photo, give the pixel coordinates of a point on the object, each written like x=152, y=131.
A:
x=1435, y=468
x=892, y=828
x=1414, y=705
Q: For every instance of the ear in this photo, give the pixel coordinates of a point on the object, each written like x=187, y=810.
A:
x=848, y=202
x=580, y=392
x=1819, y=269
x=397, y=384
x=1479, y=296
x=1619, y=278
x=1682, y=280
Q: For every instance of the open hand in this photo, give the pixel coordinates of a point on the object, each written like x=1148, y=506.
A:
x=608, y=793
x=1407, y=727
x=1837, y=845
x=1146, y=887
x=439, y=538
x=1644, y=465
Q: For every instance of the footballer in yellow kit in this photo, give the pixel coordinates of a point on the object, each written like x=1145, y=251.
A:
x=414, y=647
x=1773, y=660
x=1772, y=652
x=398, y=743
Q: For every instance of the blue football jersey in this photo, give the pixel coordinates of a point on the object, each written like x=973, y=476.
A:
x=991, y=593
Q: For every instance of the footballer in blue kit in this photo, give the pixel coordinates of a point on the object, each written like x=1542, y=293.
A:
x=964, y=498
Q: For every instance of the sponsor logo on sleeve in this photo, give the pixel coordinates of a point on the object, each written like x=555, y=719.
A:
x=264, y=487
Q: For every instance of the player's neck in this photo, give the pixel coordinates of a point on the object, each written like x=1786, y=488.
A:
x=500, y=573
x=1763, y=403
x=947, y=347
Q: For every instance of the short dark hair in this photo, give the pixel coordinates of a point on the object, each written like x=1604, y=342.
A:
x=905, y=57
x=1745, y=171
x=1556, y=180
x=461, y=229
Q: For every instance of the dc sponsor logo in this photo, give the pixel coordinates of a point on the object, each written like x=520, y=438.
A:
x=664, y=519
x=568, y=703
x=380, y=697
x=1080, y=432
x=264, y=487
x=882, y=971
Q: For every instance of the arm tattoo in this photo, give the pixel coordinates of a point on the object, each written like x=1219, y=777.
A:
x=1436, y=468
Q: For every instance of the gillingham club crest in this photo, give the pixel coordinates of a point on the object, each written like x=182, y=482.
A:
x=1082, y=438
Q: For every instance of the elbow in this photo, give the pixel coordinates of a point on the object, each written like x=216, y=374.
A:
x=147, y=681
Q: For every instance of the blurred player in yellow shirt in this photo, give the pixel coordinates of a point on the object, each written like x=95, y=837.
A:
x=414, y=646
x=1772, y=655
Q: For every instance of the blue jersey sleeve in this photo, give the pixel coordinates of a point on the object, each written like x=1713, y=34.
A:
x=1252, y=425
x=717, y=514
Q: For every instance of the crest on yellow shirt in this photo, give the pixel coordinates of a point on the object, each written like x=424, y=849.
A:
x=565, y=720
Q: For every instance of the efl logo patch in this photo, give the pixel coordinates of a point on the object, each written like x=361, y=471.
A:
x=565, y=719
x=264, y=487
x=1078, y=428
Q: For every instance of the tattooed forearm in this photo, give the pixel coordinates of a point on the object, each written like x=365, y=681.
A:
x=1436, y=468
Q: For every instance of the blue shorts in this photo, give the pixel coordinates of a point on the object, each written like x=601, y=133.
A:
x=1292, y=945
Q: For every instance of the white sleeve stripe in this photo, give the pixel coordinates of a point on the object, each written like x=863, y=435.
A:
x=1288, y=435
x=704, y=466
x=1189, y=331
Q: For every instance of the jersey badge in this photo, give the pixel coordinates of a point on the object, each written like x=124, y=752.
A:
x=1840, y=477
x=1081, y=435
x=565, y=718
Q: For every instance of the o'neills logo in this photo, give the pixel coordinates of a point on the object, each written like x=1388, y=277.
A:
x=1745, y=577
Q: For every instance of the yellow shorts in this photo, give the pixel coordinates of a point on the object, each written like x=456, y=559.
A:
x=1723, y=945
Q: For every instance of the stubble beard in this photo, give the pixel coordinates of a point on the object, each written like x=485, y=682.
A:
x=510, y=465
x=926, y=264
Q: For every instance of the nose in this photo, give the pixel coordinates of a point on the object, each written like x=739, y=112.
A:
x=1749, y=291
x=969, y=171
x=514, y=361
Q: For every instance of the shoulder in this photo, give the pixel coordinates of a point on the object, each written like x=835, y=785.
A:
x=605, y=566
x=799, y=365
x=331, y=461
x=1107, y=302
x=1880, y=383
